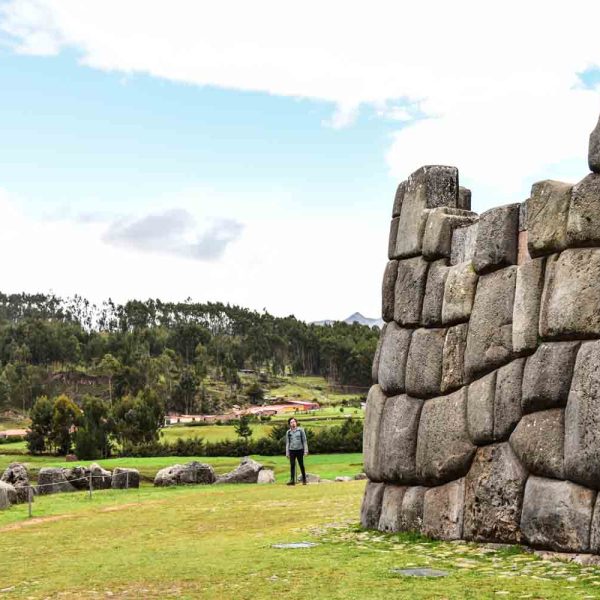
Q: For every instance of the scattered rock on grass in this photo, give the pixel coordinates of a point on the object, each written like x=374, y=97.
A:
x=192, y=472
x=246, y=472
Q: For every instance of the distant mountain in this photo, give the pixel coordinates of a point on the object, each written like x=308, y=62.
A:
x=354, y=318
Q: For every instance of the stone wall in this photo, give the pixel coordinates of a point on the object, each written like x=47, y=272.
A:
x=483, y=422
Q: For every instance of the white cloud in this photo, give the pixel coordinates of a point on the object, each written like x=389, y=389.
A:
x=500, y=82
x=280, y=262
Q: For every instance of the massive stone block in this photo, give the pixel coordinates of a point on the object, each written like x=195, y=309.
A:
x=548, y=211
x=526, y=310
x=370, y=511
x=570, y=307
x=494, y=490
x=489, y=342
x=434, y=294
x=374, y=409
x=594, y=149
x=427, y=188
x=464, y=240
x=424, y=364
x=392, y=238
x=480, y=409
x=582, y=419
x=392, y=358
x=375, y=365
x=538, y=441
x=443, y=511
x=557, y=515
x=547, y=376
x=398, y=439
x=583, y=224
x=410, y=288
x=464, y=198
x=399, y=199
x=387, y=290
x=497, y=237
x=507, y=402
x=444, y=449
x=391, y=508
x=441, y=223
x=459, y=293
x=411, y=518
x=453, y=358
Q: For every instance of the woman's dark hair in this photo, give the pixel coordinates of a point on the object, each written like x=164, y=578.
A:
x=292, y=419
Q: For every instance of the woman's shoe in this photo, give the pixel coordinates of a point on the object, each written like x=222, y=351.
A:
x=304, y=481
x=291, y=483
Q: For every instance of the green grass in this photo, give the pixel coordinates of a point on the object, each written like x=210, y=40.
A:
x=215, y=542
x=210, y=433
x=328, y=466
x=312, y=389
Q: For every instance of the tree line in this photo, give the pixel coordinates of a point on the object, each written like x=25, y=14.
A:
x=117, y=351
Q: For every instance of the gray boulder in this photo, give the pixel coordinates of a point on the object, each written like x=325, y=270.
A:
x=246, y=472
x=387, y=290
x=459, y=293
x=398, y=439
x=375, y=366
x=434, y=294
x=526, y=311
x=497, y=237
x=548, y=211
x=444, y=449
x=489, y=342
x=441, y=223
x=375, y=402
x=370, y=511
x=391, y=508
x=453, y=358
x=52, y=480
x=410, y=289
x=570, y=307
x=101, y=478
x=190, y=473
x=312, y=478
x=392, y=358
x=464, y=240
x=538, y=441
x=16, y=474
x=557, y=515
x=123, y=478
x=523, y=211
x=427, y=188
x=424, y=364
x=443, y=511
x=547, y=376
x=480, y=409
x=583, y=224
x=266, y=476
x=78, y=477
x=582, y=419
x=594, y=149
x=8, y=495
x=507, y=401
x=494, y=490
x=411, y=518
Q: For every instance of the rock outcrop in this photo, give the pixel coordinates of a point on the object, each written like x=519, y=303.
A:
x=190, y=473
x=246, y=472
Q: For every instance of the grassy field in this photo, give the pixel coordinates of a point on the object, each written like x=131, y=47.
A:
x=215, y=542
x=327, y=466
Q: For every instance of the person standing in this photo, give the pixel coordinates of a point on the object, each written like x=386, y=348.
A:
x=296, y=448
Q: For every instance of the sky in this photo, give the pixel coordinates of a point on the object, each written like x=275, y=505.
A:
x=249, y=152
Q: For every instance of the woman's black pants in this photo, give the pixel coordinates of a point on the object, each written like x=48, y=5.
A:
x=299, y=456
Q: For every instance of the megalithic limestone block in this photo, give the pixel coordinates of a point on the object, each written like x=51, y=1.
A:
x=387, y=290
x=453, y=358
x=370, y=511
x=497, y=237
x=431, y=315
x=464, y=198
x=583, y=224
x=372, y=423
x=427, y=188
x=399, y=199
x=538, y=441
x=392, y=358
x=594, y=149
x=547, y=214
x=464, y=240
x=397, y=439
x=526, y=310
x=441, y=223
x=494, y=490
x=459, y=293
x=411, y=518
x=392, y=239
x=444, y=449
x=424, y=364
x=409, y=291
x=443, y=511
x=557, y=514
x=507, y=400
x=391, y=508
x=480, y=409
